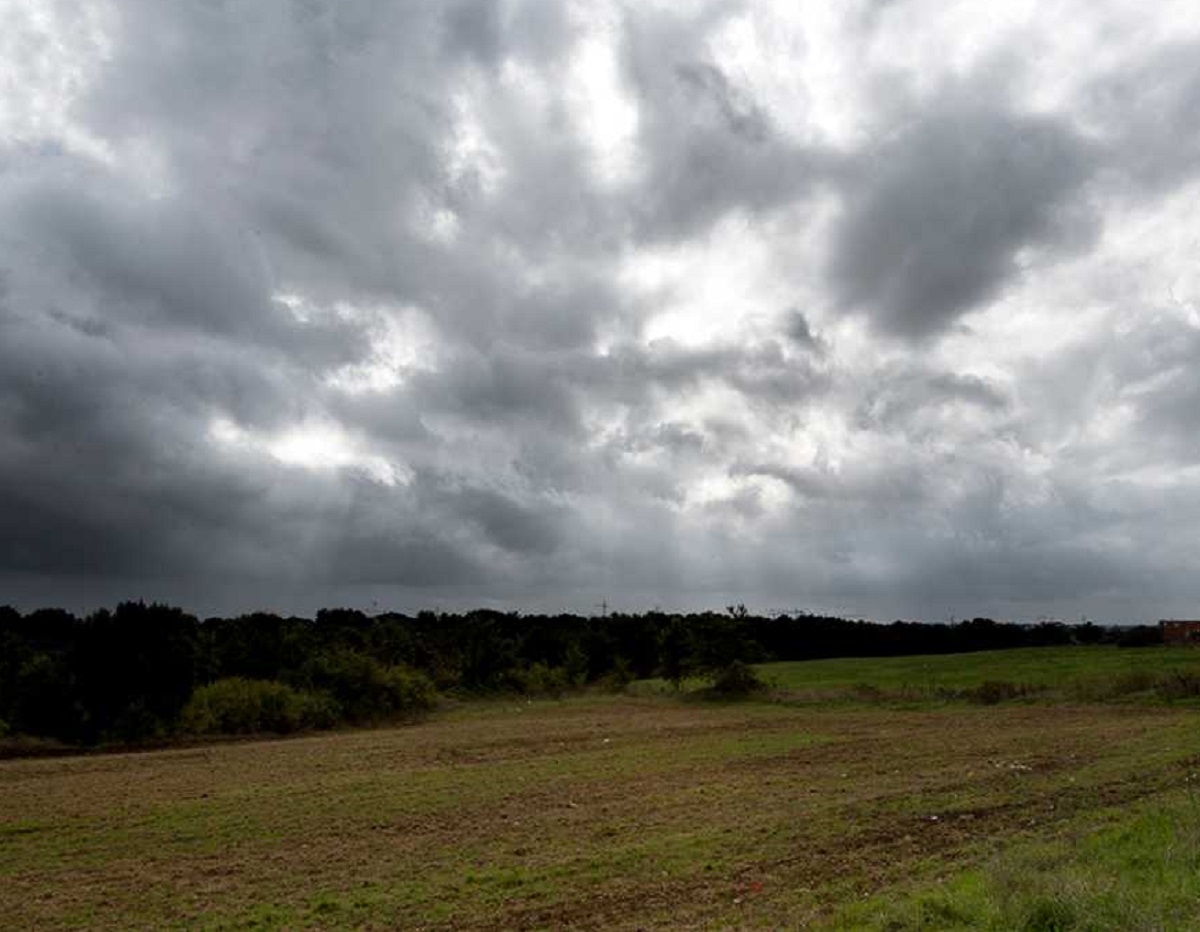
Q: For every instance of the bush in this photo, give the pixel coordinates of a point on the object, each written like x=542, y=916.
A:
x=616, y=679
x=44, y=699
x=241, y=706
x=737, y=679
x=366, y=690
x=539, y=679
x=405, y=691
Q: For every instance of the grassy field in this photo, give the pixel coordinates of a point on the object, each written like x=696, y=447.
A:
x=1140, y=874
x=1073, y=673
x=642, y=812
x=1062, y=669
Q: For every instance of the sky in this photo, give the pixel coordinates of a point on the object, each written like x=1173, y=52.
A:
x=882, y=308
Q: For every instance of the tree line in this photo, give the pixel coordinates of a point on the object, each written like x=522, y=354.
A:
x=141, y=673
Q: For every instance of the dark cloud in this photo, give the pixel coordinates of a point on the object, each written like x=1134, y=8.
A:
x=800, y=332
x=944, y=205
x=507, y=523
x=474, y=28
x=711, y=88
x=334, y=303
x=164, y=265
x=1150, y=377
x=708, y=147
x=507, y=387
x=1150, y=115
x=917, y=402
x=857, y=487
x=762, y=371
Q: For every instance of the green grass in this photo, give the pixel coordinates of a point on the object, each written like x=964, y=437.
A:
x=1130, y=872
x=1073, y=672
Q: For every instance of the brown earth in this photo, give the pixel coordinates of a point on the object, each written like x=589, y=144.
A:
x=590, y=813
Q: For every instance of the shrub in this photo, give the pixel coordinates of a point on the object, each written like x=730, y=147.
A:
x=406, y=691
x=620, y=676
x=367, y=690
x=737, y=679
x=539, y=679
x=44, y=699
x=241, y=706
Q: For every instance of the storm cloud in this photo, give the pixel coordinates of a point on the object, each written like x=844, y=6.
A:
x=944, y=208
x=888, y=310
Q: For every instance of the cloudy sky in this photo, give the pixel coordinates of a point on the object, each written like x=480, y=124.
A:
x=888, y=308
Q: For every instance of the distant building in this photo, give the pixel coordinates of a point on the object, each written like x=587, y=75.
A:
x=1177, y=631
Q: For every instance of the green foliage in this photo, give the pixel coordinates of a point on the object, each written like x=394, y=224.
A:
x=737, y=680
x=674, y=649
x=365, y=689
x=135, y=669
x=538, y=679
x=717, y=640
x=489, y=653
x=240, y=706
x=125, y=675
x=42, y=697
x=407, y=691
x=575, y=664
x=616, y=679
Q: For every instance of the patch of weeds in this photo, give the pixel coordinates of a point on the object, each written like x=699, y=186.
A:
x=936, y=911
x=1101, y=689
x=1139, y=873
x=1178, y=684
x=22, y=827
x=961, y=905
x=1049, y=914
x=867, y=692
x=1135, y=681
x=260, y=916
x=324, y=904
x=992, y=692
